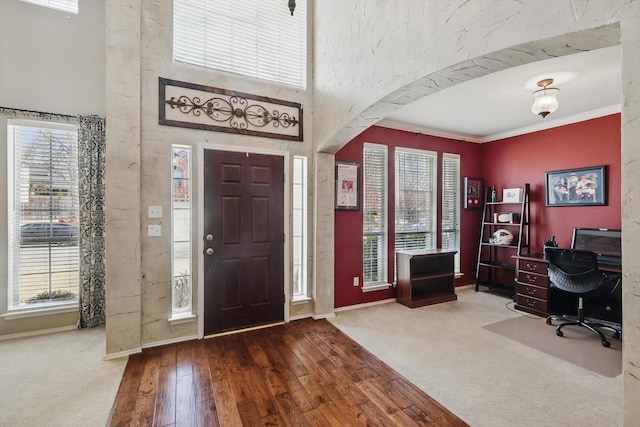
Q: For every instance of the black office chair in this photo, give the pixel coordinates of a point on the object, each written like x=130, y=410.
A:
x=576, y=271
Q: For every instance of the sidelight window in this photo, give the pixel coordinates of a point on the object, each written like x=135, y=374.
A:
x=451, y=205
x=182, y=278
x=374, y=202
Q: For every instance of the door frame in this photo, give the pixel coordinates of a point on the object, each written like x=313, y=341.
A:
x=200, y=227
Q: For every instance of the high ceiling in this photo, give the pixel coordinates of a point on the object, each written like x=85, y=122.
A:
x=498, y=105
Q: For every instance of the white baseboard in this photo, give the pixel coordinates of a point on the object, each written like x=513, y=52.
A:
x=323, y=316
x=365, y=304
x=118, y=355
x=38, y=332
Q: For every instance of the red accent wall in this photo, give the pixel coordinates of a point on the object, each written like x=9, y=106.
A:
x=348, y=224
x=505, y=163
x=526, y=158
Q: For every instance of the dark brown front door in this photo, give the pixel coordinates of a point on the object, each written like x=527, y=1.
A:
x=243, y=240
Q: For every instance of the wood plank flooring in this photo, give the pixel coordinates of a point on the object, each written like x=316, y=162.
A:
x=304, y=373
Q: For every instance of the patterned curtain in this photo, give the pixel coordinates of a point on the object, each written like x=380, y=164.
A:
x=91, y=176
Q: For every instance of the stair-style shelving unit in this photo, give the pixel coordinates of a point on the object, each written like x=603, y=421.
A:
x=496, y=263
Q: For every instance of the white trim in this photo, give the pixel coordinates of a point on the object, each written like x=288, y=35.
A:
x=38, y=332
x=202, y=146
x=120, y=354
x=377, y=287
x=323, y=316
x=176, y=319
x=547, y=124
x=44, y=311
x=365, y=304
x=300, y=300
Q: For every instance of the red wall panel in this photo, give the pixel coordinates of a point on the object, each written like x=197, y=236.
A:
x=505, y=163
x=348, y=224
x=526, y=158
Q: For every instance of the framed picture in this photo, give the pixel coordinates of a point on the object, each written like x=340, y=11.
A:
x=577, y=187
x=347, y=185
x=472, y=193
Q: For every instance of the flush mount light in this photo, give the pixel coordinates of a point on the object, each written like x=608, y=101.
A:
x=544, y=100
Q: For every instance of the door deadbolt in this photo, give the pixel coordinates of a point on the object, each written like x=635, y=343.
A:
x=209, y=237
x=209, y=251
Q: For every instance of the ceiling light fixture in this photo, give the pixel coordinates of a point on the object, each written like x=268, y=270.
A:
x=544, y=100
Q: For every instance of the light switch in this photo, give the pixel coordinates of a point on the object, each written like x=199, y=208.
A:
x=155, y=212
x=154, y=230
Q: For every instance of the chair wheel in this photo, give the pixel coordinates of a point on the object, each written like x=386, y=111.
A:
x=559, y=333
x=606, y=344
x=616, y=335
x=548, y=321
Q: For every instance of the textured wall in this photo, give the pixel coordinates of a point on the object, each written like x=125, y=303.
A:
x=374, y=55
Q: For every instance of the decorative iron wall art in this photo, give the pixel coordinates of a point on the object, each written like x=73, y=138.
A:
x=204, y=107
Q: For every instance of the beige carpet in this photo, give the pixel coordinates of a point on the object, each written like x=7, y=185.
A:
x=578, y=345
x=486, y=379
x=57, y=380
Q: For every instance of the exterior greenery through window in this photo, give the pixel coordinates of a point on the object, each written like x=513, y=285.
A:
x=374, y=190
x=254, y=38
x=43, y=205
x=415, y=199
x=181, y=231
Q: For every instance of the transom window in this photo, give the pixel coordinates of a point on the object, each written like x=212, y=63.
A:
x=69, y=6
x=255, y=38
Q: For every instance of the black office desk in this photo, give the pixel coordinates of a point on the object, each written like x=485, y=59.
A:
x=535, y=295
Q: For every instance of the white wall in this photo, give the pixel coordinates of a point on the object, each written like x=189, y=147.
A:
x=52, y=61
x=49, y=62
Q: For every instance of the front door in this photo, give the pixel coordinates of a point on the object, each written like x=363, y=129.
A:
x=243, y=240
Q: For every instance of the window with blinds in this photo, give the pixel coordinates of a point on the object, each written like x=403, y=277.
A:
x=451, y=205
x=299, y=227
x=69, y=6
x=181, y=231
x=43, y=228
x=415, y=199
x=374, y=190
x=255, y=38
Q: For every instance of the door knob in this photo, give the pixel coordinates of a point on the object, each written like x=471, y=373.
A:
x=209, y=251
x=209, y=237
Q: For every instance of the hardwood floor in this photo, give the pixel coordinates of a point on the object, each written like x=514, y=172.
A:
x=304, y=373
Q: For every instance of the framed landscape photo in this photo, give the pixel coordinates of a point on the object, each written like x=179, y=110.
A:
x=472, y=193
x=577, y=187
x=347, y=185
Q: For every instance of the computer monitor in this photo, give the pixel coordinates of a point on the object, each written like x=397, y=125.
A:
x=605, y=242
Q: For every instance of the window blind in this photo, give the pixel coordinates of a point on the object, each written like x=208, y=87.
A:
x=374, y=213
x=43, y=213
x=415, y=197
x=70, y=6
x=451, y=205
x=255, y=38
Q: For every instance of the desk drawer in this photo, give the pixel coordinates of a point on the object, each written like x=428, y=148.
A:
x=532, y=305
x=533, y=266
x=532, y=291
x=533, y=279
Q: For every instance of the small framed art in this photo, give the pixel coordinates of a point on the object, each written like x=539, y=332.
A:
x=472, y=193
x=347, y=185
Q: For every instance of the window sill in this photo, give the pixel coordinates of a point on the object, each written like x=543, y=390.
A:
x=44, y=311
x=300, y=300
x=458, y=275
x=377, y=287
x=176, y=319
